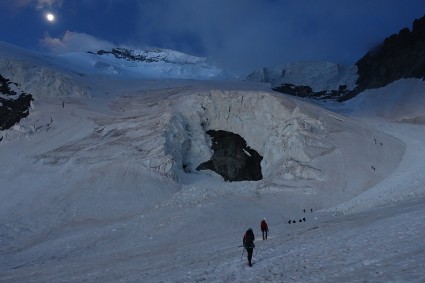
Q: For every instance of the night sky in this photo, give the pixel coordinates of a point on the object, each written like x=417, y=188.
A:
x=241, y=35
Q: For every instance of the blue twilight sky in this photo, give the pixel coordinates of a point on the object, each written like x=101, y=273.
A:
x=242, y=35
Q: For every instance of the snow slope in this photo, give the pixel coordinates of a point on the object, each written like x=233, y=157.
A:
x=155, y=63
x=402, y=101
x=93, y=187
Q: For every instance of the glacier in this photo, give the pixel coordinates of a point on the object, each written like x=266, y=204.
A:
x=99, y=181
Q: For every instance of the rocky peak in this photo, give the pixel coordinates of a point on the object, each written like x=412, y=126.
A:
x=401, y=55
x=14, y=103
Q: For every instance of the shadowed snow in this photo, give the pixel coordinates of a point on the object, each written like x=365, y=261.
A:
x=93, y=187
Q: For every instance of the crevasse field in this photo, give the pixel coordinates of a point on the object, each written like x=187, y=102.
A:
x=92, y=186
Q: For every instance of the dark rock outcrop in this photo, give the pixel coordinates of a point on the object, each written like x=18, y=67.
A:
x=232, y=158
x=400, y=56
x=13, y=106
x=126, y=54
x=306, y=91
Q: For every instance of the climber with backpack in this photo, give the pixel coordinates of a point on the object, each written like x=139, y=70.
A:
x=248, y=244
x=264, y=228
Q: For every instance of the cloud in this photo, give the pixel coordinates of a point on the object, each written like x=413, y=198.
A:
x=74, y=42
x=49, y=3
x=248, y=34
x=241, y=34
x=39, y=4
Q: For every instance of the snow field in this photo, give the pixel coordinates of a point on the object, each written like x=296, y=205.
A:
x=94, y=189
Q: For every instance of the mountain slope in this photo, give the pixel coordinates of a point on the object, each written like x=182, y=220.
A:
x=99, y=183
x=155, y=63
x=400, y=56
x=303, y=148
x=153, y=55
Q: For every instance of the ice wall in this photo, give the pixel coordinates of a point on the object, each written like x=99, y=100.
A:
x=319, y=75
x=275, y=129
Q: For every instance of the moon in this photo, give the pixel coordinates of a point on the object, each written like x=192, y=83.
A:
x=50, y=17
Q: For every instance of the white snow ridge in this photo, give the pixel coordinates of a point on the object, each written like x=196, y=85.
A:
x=99, y=182
x=156, y=63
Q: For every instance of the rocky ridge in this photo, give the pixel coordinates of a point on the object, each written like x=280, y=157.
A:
x=152, y=56
x=14, y=103
x=400, y=56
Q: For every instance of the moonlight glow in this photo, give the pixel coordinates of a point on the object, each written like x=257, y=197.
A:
x=50, y=17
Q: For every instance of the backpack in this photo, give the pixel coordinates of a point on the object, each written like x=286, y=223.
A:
x=264, y=226
x=248, y=239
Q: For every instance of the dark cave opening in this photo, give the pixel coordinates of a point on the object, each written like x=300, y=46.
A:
x=233, y=159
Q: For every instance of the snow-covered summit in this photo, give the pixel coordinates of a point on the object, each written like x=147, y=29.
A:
x=153, y=55
x=120, y=63
x=151, y=63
